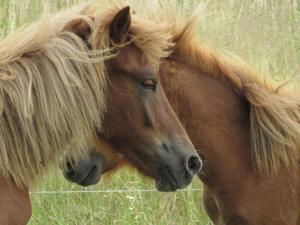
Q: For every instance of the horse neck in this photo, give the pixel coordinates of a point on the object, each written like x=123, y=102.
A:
x=214, y=116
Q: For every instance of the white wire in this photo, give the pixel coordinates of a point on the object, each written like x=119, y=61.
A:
x=107, y=191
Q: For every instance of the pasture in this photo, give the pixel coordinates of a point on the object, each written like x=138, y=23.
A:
x=264, y=33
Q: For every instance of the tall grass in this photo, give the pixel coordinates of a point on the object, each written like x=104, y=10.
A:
x=264, y=33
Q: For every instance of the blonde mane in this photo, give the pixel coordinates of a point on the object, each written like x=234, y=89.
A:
x=51, y=96
x=274, y=114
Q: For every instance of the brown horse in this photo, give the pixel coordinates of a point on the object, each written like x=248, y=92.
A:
x=52, y=90
x=246, y=130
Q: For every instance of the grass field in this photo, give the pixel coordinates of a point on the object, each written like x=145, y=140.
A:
x=265, y=33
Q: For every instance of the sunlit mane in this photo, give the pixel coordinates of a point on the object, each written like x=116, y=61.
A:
x=51, y=96
x=274, y=115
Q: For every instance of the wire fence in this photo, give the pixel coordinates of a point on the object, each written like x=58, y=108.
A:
x=106, y=191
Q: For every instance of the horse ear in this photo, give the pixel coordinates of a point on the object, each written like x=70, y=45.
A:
x=120, y=25
x=80, y=27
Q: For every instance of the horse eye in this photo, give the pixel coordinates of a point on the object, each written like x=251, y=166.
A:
x=149, y=84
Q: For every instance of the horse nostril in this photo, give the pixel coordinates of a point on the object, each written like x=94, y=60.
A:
x=194, y=164
x=68, y=167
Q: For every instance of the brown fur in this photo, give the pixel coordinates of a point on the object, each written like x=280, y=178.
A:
x=274, y=117
x=114, y=161
x=233, y=191
x=245, y=127
x=15, y=204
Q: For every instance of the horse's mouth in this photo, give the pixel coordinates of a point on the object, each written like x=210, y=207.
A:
x=89, y=177
x=167, y=182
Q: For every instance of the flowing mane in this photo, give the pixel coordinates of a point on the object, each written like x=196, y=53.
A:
x=51, y=96
x=274, y=113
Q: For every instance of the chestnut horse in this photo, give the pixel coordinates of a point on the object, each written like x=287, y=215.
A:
x=246, y=130
x=52, y=96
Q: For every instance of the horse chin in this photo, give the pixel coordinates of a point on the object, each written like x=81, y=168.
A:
x=170, y=180
x=165, y=186
x=164, y=182
x=85, y=177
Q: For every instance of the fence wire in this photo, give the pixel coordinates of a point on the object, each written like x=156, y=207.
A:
x=106, y=191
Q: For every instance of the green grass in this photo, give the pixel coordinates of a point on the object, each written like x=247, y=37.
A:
x=265, y=33
x=116, y=208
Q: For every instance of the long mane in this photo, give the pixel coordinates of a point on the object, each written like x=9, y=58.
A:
x=51, y=96
x=274, y=112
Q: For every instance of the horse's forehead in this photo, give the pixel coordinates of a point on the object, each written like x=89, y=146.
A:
x=131, y=59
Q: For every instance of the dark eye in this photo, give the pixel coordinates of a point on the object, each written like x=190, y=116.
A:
x=149, y=83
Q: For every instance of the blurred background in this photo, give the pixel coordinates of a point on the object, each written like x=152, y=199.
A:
x=264, y=33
